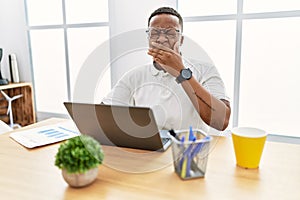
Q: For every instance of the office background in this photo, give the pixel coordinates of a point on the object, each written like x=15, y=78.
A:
x=254, y=44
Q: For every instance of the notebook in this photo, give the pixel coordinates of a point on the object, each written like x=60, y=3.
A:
x=122, y=126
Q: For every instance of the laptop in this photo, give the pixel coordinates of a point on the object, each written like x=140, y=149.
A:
x=122, y=126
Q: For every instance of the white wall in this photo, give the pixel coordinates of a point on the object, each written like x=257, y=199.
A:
x=128, y=22
x=13, y=37
x=124, y=16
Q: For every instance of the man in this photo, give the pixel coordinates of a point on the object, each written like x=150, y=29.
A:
x=181, y=93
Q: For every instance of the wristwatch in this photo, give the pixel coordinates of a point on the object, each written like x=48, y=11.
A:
x=185, y=74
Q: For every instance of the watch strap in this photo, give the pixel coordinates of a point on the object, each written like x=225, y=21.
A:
x=179, y=79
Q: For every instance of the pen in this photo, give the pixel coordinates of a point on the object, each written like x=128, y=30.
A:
x=179, y=164
x=186, y=158
x=199, y=146
x=191, y=134
x=172, y=132
x=191, y=138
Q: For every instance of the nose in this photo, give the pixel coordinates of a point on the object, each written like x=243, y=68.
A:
x=162, y=38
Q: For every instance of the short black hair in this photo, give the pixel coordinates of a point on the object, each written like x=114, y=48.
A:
x=167, y=10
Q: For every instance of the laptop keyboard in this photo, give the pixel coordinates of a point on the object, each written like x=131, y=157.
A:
x=165, y=140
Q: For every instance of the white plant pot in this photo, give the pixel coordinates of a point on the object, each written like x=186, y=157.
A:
x=80, y=180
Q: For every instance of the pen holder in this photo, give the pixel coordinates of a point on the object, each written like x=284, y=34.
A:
x=190, y=157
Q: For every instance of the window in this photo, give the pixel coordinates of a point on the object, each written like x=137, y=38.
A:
x=44, y=12
x=87, y=11
x=255, y=6
x=255, y=48
x=217, y=38
x=70, y=30
x=49, y=69
x=82, y=42
x=269, y=96
x=190, y=8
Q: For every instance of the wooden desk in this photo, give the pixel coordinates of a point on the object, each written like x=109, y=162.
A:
x=31, y=174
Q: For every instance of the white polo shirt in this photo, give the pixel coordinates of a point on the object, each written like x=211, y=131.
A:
x=148, y=87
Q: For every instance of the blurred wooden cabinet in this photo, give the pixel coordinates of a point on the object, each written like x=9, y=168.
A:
x=22, y=108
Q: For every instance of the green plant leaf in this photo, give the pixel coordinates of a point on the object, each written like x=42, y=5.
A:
x=79, y=154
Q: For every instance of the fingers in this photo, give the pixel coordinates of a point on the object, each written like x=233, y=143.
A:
x=163, y=54
x=155, y=52
x=158, y=60
x=160, y=46
x=157, y=55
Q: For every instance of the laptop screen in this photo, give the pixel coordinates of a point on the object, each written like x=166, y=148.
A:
x=133, y=127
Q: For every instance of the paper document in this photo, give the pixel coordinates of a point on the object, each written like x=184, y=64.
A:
x=46, y=134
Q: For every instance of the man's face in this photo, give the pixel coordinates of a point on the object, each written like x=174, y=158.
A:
x=164, y=29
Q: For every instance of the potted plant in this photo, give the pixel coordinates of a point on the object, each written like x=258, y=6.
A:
x=79, y=158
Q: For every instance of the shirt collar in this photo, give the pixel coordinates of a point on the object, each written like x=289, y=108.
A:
x=154, y=70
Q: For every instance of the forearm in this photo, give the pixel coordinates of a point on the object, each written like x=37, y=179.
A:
x=213, y=112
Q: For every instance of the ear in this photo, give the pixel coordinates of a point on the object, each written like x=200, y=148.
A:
x=178, y=44
x=181, y=40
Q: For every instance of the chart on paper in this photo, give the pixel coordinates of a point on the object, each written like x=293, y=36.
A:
x=58, y=132
x=45, y=135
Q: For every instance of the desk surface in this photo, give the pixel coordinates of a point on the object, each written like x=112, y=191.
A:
x=31, y=174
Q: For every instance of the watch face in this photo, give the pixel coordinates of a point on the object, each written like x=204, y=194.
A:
x=186, y=73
